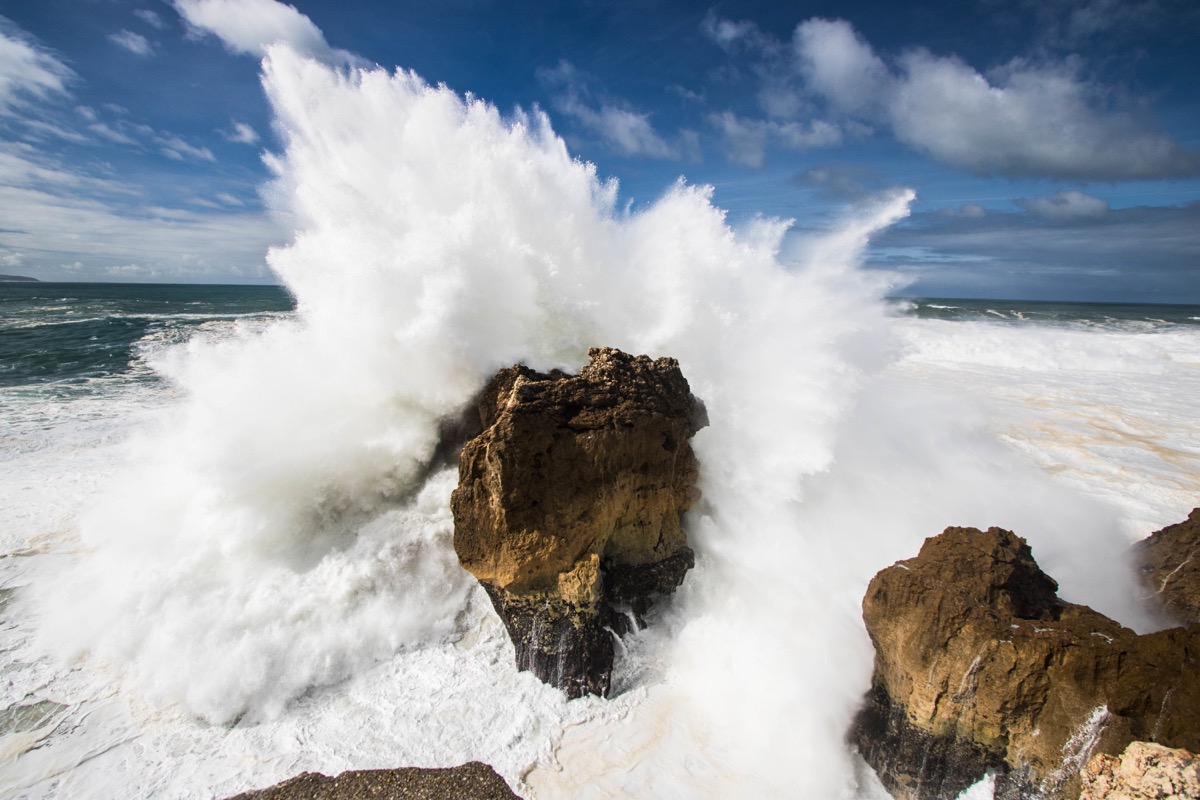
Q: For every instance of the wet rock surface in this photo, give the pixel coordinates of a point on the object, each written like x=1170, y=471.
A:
x=473, y=781
x=1169, y=562
x=568, y=506
x=1144, y=771
x=980, y=667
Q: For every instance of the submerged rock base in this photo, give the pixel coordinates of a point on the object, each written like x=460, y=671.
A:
x=568, y=506
x=980, y=667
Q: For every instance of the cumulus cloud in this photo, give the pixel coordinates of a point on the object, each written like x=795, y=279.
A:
x=837, y=63
x=28, y=72
x=249, y=27
x=1065, y=205
x=133, y=42
x=1022, y=120
x=1029, y=121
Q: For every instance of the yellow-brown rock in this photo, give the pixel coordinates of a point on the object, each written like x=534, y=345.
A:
x=980, y=667
x=569, y=503
x=1145, y=771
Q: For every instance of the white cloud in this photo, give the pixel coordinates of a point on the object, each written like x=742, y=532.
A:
x=835, y=62
x=176, y=148
x=1065, y=205
x=56, y=218
x=27, y=71
x=241, y=133
x=151, y=18
x=1021, y=120
x=1028, y=122
x=133, y=42
x=251, y=26
x=625, y=131
x=620, y=129
x=726, y=32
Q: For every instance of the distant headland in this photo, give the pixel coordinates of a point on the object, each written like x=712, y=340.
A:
x=18, y=278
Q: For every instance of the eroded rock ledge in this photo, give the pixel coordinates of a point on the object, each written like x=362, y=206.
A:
x=980, y=667
x=1169, y=561
x=568, y=506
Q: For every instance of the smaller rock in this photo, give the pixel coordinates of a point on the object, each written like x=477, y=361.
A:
x=1145, y=771
x=473, y=781
x=1170, y=567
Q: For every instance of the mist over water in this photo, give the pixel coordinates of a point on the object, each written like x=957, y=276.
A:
x=277, y=530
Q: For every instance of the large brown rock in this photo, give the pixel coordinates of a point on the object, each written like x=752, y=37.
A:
x=1144, y=771
x=1169, y=561
x=980, y=667
x=472, y=781
x=568, y=506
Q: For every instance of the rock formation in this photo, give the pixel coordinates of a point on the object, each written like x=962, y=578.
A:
x=980, y=667
x=473, y=781
x=1169, y=561
x=1144, y=771
x=568, y=506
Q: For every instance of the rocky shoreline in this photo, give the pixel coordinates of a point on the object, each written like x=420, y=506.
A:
x=981, y=669
x=568, y=512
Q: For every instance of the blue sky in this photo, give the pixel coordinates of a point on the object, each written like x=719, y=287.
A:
x=1054, y=146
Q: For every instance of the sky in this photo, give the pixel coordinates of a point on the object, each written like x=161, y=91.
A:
x=1054, y=145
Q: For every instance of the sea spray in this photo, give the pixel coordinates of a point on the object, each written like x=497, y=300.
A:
x=276, y=531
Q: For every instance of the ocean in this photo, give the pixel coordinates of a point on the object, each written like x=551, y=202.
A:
x=224, y=559
x=1092, y=403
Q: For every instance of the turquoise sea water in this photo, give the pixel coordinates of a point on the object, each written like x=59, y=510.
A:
x=71, y=333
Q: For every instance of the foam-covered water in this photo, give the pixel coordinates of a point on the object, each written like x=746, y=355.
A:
x=241, y=568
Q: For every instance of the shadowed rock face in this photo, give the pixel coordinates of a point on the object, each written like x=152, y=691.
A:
x=980, y=667
x=1169, y=561
x=473, y=781
x=568, y=506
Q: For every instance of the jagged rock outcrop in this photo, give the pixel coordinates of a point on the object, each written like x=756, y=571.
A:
x=980, y=667
x=472, y=781
x=568, y=506
x=1145, y=771
x=1169, y=561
